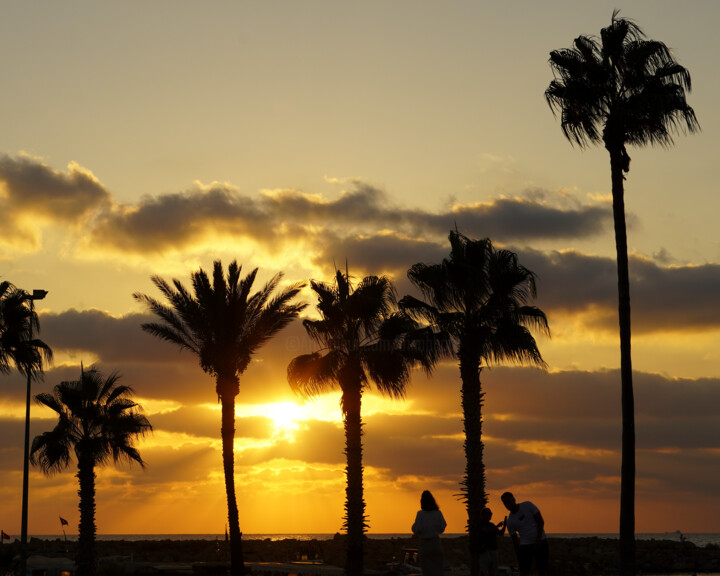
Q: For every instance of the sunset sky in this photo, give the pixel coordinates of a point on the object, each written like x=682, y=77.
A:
x=141, y=138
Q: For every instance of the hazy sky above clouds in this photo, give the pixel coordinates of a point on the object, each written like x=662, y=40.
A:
x=152, y=138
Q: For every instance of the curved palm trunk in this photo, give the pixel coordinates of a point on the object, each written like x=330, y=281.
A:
x=86, y=529
x=354, y=502
x=474, y=482
x=227, y=431
x=627, y=469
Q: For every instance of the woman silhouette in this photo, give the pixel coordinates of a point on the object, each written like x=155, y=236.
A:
x=429, y=524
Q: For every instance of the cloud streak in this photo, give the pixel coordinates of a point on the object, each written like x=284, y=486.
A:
x=664, y=298
x=175, y=221
x=203, y=214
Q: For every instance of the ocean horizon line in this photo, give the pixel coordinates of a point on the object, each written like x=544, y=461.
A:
x=697, y=538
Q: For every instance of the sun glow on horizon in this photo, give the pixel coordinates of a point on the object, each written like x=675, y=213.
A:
x=286, y=416
x=324, y=407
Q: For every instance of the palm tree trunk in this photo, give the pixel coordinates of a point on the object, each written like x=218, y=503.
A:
x=86, y=529
x=227, y=431
x=354, y=502
x=474, y=482
x=627, y=469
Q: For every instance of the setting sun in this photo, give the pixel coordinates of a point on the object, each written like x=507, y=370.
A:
x=286, y=415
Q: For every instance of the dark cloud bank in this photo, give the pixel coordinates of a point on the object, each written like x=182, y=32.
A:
x=176, y=220
x=363, y=227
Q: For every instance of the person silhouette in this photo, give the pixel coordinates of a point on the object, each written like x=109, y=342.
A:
x=484, y=547
x=429, y=524
x=526, y=527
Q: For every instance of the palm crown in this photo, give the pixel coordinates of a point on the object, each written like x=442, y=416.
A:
x=221, y=321
x=96, y=419
x=360, y=331
x=622, y=88
x=479, y=296
x=18, y=321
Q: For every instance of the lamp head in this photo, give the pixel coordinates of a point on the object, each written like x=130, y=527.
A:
x=38, y=294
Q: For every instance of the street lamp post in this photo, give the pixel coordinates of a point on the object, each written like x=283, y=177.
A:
x=36, y=295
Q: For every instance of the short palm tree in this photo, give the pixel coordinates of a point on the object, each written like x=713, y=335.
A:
x=224, y=324
x=98, y=421
x=363, y=340
x=617, y=90
x=478, y=296
x=18, y=323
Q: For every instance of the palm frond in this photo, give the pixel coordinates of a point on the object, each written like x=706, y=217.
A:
x=670, y=72
x=272, y=317
x=429, y=278
x=387, y=368
x=515, y=344
x=49, y=401
x=51, y=450
x=372, y=300
x=313, y=374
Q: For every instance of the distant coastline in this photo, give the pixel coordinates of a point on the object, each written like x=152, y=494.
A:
x=699, y=539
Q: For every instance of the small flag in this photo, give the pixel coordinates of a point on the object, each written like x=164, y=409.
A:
x=4, y=536
x=63, y=522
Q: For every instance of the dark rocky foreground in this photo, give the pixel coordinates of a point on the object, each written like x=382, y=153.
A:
x=569, y=556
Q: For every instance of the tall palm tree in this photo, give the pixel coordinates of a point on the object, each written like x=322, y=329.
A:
x=363, y=340
x=617, y=90
x=18, y=323
x=98, y=421
x=224, y=325
x=478, y=296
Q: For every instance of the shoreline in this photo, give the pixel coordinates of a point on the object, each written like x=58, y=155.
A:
x=569, y=556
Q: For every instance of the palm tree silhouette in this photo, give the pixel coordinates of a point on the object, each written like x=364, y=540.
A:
x=478, y=296
x=363, y=340
x=617, y=90
x=18, y=322
x=224, y=325
x=19, y=347
x=98, y=421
